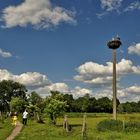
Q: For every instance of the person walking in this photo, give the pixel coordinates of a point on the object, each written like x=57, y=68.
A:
x=24, y=117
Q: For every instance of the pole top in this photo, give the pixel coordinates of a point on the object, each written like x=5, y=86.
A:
x=114, y=43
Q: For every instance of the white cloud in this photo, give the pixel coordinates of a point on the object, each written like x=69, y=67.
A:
x=133, y=6
x=5, y=54
x=5, y=75
x=123, y=94
x=130, y=94
x=117, y=5
x=42, y=91
x=134, y=90
x=134, y=49
x=110, y=5
x=32, y=79
x=61, y=87
x=28, y=79
x=45, y=91
x=78, y=92
x=43, y=86
x=98, y=74
x=39, y=13
x=100, y=81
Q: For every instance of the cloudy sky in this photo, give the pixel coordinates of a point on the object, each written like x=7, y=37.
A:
x=61, y=45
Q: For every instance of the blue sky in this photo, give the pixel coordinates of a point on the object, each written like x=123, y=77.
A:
x=61, y=45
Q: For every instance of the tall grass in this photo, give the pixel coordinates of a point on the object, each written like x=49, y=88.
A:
x=5, y=129
x=35, y=131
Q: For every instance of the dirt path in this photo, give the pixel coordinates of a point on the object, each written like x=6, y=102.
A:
x=16, y=131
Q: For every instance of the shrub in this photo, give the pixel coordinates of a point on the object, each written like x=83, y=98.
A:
x=132, y=126
x=112, y=125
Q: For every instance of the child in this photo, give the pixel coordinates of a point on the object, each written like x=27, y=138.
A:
x=14, y=118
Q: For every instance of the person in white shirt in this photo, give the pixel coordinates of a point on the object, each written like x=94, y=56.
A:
x=24, y=117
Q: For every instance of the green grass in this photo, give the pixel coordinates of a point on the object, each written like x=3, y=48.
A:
x=89, y=115
x=35, y=131
x=5, y=129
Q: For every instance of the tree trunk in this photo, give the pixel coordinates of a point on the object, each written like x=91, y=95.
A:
x=39, y=119
x=53, y=119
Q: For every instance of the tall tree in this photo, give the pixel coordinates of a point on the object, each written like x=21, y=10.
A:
x=69, y=99
x=104, y=104
x=9, y=89
x=92, y=104
x=36, y=99
x=82, y=103
x=17, y=104
x=55, y=106
x=36, y=106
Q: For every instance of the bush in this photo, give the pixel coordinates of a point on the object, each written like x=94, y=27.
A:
x=132, y=126
x=112, y=125
x=117, y=125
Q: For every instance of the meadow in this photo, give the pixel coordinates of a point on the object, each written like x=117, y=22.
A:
x=5, y=128
x=46, y=131
x=36, y=131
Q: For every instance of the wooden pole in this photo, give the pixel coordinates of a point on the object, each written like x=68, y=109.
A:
x=123, y=125
x=65, y=124
x=84, y=126
x=0, y=115
x=114, y=86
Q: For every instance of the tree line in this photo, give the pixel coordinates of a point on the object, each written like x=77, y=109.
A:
x=14, y=97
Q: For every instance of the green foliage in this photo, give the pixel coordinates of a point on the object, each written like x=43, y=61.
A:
x=9, y=89
x=5, y=129
x=117, y=125
x=81, y=104
x=17, y=104
x=35, y=112
x=120, y=108
x=36, y=106
x=111, y=125
x=31, y=109
x=37, y=100
x=55, y=106
x=129, y=107
x=132, y=126
x=69, y=99
x=90, y=104
x=104, y=104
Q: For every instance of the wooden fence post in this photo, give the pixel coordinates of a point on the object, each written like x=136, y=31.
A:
x=84, y=126
x=123, y=124
x=66, y=124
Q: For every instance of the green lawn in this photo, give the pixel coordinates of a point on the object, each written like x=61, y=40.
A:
x=35, y=131
x=5, y=129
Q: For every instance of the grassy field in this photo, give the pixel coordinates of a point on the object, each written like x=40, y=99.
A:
x=35, y=131
x=5, y=129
